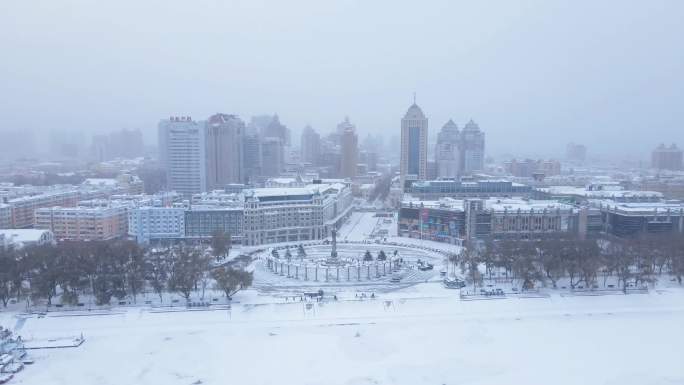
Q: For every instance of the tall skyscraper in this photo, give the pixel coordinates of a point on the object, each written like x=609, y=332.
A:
x=272, y=128
x=350, y=149
x=448, y=152
x=343, y=126
x=272, y=156
x=99, y=149
x=310, y=146
x=182, y=154
x=414, y=136
x=124, y=143
x=667, y=157
x=473, y=143
x=251, y=155
x=576, y=152
x=224, y=150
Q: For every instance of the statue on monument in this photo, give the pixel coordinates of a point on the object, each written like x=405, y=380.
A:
x=333, y=252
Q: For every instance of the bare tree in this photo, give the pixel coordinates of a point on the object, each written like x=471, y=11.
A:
x=157, y=272
x=8, y=272
x=230, y=281
x=470, y=262
x=549, y=256
x=220, y=244
x=184, y=271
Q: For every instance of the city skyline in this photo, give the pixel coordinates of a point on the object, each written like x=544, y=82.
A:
x=507, y=67
x=345, y=192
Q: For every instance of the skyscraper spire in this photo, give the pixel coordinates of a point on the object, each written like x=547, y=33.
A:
x=414, y=97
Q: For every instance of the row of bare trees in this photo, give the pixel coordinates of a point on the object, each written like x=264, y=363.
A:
x=582, y=262
x=112, y=269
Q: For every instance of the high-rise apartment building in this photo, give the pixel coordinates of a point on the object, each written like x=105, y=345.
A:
x=350, y=150
x=576, y=152
x=272, y=156
x=270, y=127
x=251, y=147
x=414, y=136
x=310, y=146
x=667, y=157
x=472, y=153
x=182, y=153
x=448, y=152
x=224, y=142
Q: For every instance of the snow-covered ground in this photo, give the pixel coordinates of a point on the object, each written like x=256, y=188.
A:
x=415, y=333
x=359, y=227
x=422, y=336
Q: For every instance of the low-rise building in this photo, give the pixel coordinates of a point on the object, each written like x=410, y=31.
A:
x=632, y=218
x=528, y=168
x=611, y=192
x=450, y=220
x=202, y=221
x=5, y=216
x=24, y=207
x=273, y=215
x=441, y=220
x=435, y=189
x=521, y=218
x=156, y=224
x=96, y=221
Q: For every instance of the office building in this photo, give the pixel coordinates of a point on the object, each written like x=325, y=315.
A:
x=270, y=127
x=528, y=168
x=435, y=189
x=182, y=154
x=203, y=221
x=576, y=152
x=273, y=215
x=272, y=156
x=414, y=136
x=350, y=150
x=629, y=219
x=251, y=156
x=450, y=220
x=224, y=141
x=370, y=159
x=124, y=143
x=310, y=146
x=151, y=224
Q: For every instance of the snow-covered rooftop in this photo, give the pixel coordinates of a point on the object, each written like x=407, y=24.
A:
x=23, y=235
x=501, y=205
x=639, y=207
x=492, y=204
x=604, y=193
x=109, y=182
x=442, y=203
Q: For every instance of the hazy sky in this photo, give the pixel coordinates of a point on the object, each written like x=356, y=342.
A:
x=533, y=74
